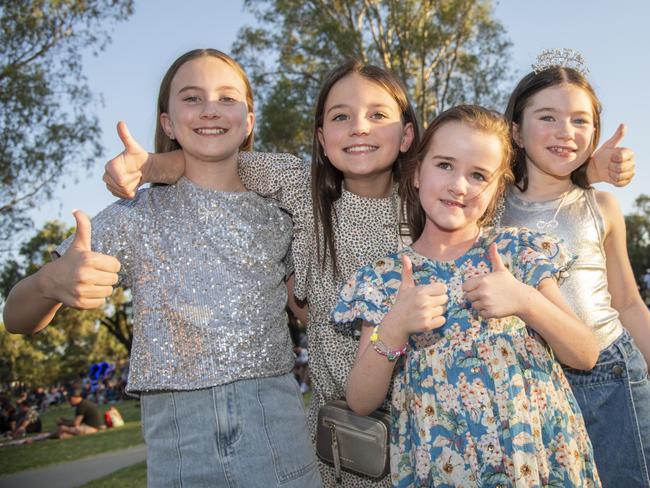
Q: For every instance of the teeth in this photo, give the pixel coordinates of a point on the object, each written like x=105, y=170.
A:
x=452, y=204
x=560, y=150
x=211, y=132
x=360, y=149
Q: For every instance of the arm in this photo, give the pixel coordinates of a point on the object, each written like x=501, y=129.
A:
x=299, y=308
x=78, y=419
x=610, y=163
x=80, y=278
x=633, y=312
x=499, y=294
x=416, y=309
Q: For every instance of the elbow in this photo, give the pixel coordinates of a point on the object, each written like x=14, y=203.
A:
x=359, y=408
x=586, y=360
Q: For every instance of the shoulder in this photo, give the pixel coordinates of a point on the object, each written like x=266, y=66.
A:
x=269, y=157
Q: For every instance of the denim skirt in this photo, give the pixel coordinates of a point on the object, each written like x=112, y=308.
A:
x=249, y=433
x=615, y=401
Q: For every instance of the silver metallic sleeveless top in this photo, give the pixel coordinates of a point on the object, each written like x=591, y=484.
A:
x=206, y=271
x=581, y=227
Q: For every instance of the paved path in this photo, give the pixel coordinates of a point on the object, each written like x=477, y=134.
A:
x=75, y=473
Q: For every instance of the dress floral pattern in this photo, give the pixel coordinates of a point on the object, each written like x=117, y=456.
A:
x=477, y=402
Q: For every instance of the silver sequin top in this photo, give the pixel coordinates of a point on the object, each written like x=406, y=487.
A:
x=581, y=227
x=206, y=271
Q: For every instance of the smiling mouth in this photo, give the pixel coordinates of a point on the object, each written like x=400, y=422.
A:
x=562, y=151
x=451, y=203
x=213, y=131
x=364, y=148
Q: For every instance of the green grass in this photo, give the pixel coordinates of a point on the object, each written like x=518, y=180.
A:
x=54, y=451
x=134, y=477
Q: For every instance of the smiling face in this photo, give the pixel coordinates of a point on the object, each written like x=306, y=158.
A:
x=456, y=179
x=362, y=132
x=556, y=131
x=208, y=113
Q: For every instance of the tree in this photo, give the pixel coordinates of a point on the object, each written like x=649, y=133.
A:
x=45, y=125
x=446, y=51
x=637, y=225
x=75, y=337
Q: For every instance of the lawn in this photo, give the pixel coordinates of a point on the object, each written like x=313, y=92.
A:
x=134, y=477
x=53, y=451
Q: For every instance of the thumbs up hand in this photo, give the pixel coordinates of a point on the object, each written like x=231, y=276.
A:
x=82, y=278
x=417, y=308
x=497, y=294
x=123, y=173
x=612, y=164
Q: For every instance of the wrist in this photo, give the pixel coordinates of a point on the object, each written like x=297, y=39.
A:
x=527, y=298
x=391, y=331
x=380, y=347
x=592, y=175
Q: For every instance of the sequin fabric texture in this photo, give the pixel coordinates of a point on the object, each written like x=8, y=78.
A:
x=366, y=229
x=477, y=402
x=206, y=271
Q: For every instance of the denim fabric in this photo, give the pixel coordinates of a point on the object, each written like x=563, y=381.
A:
x=249, y=433
x=615, y=401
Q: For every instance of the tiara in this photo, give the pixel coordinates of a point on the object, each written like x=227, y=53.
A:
x=564, y=58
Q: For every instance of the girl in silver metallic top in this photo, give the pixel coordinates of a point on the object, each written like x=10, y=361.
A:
x=555, y=117
x=206, y=262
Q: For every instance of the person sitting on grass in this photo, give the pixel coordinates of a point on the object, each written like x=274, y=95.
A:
x=87, y=419
x=26, y=421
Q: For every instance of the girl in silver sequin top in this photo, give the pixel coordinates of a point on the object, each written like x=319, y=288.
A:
x=206, y=262
x=555, y=116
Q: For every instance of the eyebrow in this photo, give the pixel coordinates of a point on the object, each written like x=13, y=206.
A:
x=550, y=109
x=343, y=105
x=194, y=87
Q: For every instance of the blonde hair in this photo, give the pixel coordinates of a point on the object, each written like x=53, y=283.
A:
x=162, y=142
x=478, y=118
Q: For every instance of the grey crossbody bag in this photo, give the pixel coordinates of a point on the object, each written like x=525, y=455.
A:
x=351, y=442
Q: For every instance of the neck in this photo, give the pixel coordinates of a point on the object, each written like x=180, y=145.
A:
x=215, y=175
x=543, y=186
x=373, y=186
x=444, y=245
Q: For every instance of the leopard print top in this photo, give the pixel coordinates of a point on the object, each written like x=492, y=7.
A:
x=367, y=229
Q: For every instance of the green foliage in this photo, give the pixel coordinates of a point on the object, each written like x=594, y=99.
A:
x=637, y=226
x=74, y=339
x=446, y=51
x=46, y=121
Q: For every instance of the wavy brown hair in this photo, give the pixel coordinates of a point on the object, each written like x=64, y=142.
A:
x=482, y=119
x=530, y=85
x=326, y=180
x=162, y=142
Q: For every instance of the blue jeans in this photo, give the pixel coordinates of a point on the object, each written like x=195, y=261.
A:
x=615, y=401
x=249, y=433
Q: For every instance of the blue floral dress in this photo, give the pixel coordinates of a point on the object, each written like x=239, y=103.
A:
x=477, y=402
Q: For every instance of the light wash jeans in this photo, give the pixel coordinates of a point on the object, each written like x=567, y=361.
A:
x=615, y=401
x=250, y=433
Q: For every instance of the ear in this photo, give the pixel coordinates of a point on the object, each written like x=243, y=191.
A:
x=416, y=179
x=321, y=139
x=167, y=125
x=407, y=137
x=516, y=135
x=250, y=123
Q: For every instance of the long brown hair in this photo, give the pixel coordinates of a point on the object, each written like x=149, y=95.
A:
x=532, y=84
x=326, y=180
x=478, y=118
x=162, y=142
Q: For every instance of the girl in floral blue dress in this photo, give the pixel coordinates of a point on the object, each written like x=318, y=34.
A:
x=478, y=398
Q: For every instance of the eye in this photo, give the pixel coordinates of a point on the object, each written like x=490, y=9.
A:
x=340, y=117
x=379, y=116
x=227, y=99
x=191, y=99
x=547, y=118
x=444, y=165
x=479, y=177
x=582, y=121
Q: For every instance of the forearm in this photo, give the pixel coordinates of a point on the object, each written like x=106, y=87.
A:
x=165, y=168
x=636, y=319
x=573, y=343
x=28, y=309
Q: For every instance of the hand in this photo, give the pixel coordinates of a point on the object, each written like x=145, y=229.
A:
x=124, y=173
x=497, y=294
x=612, y=164
x=416, y=309
x=82, y=278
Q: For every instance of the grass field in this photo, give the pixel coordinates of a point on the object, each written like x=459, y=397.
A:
x=54, y=451
x=134, y=477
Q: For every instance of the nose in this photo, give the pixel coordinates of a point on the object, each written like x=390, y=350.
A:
x=210, y=109
x=564, y=129
x=458, y=185
x=359, y=126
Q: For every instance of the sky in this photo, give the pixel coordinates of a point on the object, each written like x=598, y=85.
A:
x=612, y=36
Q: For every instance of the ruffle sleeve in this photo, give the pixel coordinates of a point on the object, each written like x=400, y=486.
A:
x=362, y=297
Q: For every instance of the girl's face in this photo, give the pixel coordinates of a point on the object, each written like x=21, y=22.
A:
x=556, y=130
x=207, y=113
x=362, y=132
x=456, y=178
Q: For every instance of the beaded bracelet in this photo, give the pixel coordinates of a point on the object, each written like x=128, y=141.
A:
x=383, y=349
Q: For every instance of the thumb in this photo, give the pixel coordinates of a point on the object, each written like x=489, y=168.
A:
x=130, y=144
x=617, y=137
x=407, y=273
x=495, y=259
x=82, y=234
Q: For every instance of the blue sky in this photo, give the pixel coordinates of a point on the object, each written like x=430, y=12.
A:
x=613, y=37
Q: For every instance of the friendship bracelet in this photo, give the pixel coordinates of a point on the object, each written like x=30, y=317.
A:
x=381, y=348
